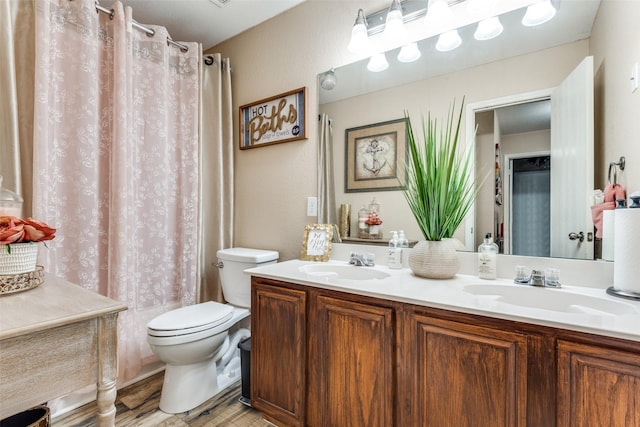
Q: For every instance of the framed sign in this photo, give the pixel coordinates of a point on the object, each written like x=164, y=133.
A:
x=316, y=244
x=376, y=156
x=280, y=118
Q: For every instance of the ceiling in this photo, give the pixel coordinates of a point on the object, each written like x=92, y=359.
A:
x=205, y=21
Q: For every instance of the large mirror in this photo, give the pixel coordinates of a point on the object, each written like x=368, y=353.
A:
x=507, y=84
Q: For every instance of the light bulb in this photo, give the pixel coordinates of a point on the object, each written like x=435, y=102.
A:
x=328, y=80
x=438, y=13
x=377, y=63
x=359, y=42
x=448, y=41
x=538, y=13
x=409, y=53
x=394, y=29
x=488, y=29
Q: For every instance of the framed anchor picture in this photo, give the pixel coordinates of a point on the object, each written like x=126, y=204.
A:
x=376, y=156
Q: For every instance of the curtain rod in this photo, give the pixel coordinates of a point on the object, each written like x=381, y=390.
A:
x=149, y=31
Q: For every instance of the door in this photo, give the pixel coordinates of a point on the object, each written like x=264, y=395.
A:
x=572, y=156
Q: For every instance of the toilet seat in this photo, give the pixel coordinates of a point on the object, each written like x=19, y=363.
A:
x=190, y=319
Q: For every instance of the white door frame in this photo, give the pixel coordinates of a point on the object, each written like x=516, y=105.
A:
x=470, y=130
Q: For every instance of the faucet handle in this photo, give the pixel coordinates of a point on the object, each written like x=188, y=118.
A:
x=537, y=278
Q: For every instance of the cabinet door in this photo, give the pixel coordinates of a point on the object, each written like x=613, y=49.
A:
x=351, y=364
x=464, y=375
x=278, y=352
x=597, y=386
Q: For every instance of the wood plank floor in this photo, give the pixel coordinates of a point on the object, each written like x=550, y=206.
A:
x=137, y=405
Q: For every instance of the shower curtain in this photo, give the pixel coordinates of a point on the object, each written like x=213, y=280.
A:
x=326, y=189
x=216, y=131
x=116, y=162
x=17, y=21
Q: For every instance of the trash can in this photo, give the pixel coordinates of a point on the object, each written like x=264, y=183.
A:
x=245, y=370
x=34, y=417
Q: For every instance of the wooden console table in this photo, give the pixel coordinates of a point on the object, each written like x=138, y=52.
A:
x=55, y=339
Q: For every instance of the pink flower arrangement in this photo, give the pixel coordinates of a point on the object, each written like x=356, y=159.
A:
x=18, y=230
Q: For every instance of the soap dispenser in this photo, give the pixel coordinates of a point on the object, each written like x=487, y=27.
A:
x=394, y=258
x=487, y=254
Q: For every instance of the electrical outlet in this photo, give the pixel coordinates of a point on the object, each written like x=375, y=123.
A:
x=312, y=206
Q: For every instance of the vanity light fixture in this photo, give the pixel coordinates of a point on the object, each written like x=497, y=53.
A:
x=394, y=29
x=479, y=6
x=360, y=42
x=538, y=13
x=488, y=28
x=438, y=16
x=448, y=41
x=409, y=53
x=377, y=63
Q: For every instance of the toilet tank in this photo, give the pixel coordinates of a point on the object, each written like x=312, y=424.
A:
x=236, y=285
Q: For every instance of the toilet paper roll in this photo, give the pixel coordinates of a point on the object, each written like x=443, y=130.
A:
x=627, y=250
x=608, y=234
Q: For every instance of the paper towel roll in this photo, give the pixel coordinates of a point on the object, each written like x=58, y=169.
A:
x=608, y=234
x=626, y=267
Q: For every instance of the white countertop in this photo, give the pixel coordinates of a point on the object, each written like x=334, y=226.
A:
x=403, y=286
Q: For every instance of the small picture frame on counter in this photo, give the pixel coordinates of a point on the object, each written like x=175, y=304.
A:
x=316, y=243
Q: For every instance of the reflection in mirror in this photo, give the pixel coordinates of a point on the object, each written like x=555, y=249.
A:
x=515, y=208
x=518, y=62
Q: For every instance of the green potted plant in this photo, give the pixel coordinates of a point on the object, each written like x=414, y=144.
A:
x=440, y=190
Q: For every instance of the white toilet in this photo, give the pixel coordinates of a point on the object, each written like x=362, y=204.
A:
x=194, y=341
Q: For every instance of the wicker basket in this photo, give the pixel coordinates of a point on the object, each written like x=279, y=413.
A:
x=22, y=258
x=11, y=283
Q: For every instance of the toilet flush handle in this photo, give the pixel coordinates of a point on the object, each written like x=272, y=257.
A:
x=219, y=264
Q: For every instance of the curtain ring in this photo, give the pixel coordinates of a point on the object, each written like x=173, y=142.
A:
x=209, y=60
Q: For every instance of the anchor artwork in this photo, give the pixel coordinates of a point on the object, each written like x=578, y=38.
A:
x=376, y=156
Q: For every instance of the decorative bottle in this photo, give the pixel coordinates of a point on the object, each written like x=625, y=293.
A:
x=374, y=222
x=363, y=215
x=487, y=254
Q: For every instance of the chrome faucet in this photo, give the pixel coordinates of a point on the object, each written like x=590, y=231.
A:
x=537, y=278
x=361, y=259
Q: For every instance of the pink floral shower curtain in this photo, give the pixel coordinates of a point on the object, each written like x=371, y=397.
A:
x=116, y=162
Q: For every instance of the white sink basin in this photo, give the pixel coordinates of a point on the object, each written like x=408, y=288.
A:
x=344, y=272
x=552, y=299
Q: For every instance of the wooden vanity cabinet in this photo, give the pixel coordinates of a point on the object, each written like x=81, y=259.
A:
x=465, y=375
x=328, y=358
x=322, y=360
x=278, y=351
x=351, y=362
x=597, y=386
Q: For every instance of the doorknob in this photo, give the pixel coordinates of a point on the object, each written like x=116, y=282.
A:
x=576, y=236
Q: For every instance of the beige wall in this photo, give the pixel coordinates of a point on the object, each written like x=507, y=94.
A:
x=287, y=52
x=615, y=46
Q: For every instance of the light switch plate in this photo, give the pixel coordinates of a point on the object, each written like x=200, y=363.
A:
x=312, y=206
x=634, y=77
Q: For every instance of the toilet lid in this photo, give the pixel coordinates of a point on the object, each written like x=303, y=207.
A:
x=190, y=319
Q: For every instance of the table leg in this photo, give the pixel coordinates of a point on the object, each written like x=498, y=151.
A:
x=107, y=369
